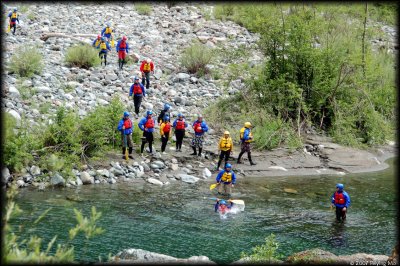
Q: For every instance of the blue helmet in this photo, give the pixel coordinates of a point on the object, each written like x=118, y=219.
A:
x=103, y=39
x=228, y=165
x=15, y=9
x=136, y=78
x=149, y=112
x=180, y=115
x=340, y=186
x=166, y=118
x=126, y=114
x=223, y=202
x=167, y=106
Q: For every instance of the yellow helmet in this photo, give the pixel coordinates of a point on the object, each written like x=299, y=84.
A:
x=247, y=124
x=226, y=133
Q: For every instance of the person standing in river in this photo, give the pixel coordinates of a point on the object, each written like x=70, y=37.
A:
x=226, y=179
x=341, y=200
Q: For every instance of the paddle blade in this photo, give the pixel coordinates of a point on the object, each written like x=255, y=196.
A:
x=8, y=28
x=213, y=186
x=112, y=43
x=238, y=201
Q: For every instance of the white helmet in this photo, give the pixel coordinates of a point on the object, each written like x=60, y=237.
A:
x=108, y=24
x=148, y=60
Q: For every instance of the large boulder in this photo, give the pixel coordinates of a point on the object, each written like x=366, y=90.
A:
x=86, y=178
x=57, y=180
x=188, y=178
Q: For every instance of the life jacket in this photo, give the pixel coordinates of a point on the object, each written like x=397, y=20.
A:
x=242, y=135
x=108, y=30
x=137, y=89
x=197, y=124
x=122, y=45
x=103, y=46
x=127, y=124
x=149, y=123
x=225, y=144
x=223, y=208
x=339, y=198
x=167, y=128
x=146, y=67
x=97, y=43
x=14, y=15
x=226, y=177
x=180, y=124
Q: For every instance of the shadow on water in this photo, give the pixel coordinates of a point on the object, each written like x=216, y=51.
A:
x=179, y=220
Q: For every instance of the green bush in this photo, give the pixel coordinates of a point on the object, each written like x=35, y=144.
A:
x=265, y=252
x=196, y=57
x=83, y=56
x=143, y=9
x=26, y=62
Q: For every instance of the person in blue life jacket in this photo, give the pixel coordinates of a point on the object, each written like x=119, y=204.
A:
x=122, y=49
x=146, y=124
x=104, y=48
x=138, y=92
x=246, y=137
x=180, y=127
x=222, y=206
x=107, y=32
x=125, y=125
x=341, y=200
x=163, y=113
x=200, y=127
x=96, y=42
x=13, y=19
x=226, y=179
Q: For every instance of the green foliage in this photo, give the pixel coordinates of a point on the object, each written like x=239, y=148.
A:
x=265, y=252
x=26, y=61
x=196, y=57
x=224, y=11
x=86, y=225
x=83, y=56
x=143, y=9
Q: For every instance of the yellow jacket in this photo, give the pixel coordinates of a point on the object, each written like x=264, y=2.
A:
x=225, y=144
x=163, y=124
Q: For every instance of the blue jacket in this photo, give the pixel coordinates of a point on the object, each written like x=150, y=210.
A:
x=141, y=86
x=143, y=122
x=108, y=35
x=122, y=49
x=204, y=127
x=127, y=131
x=107, y=45
x=346, y=198
x=216, y=206
x=174, y=124
x=13, y=19
x=219, y=176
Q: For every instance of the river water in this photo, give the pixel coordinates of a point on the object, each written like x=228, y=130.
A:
x=179, y=219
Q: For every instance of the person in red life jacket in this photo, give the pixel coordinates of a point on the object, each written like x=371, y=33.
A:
x=122, y=49
x=13, y=19
x=341, y=200
x=107, y=32
x=126, y=127
x=146, y=68
x=146, y=124
x=226, y=180
x=165, y=129
x=104, y=48
x=179, y=125
x=163, y=113
x=200, y=127
x=222, y=207
x=138, y=92
x=96, y=42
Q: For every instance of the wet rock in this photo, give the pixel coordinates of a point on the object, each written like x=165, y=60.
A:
x=57, y=180
x=206, y=173
x=20, y=183
x=188, y=178
x=290, y=190
x=78, y=181
x=154, y=181
x=86, y=178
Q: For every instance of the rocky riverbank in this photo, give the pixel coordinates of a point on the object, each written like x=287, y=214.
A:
x=160, y=36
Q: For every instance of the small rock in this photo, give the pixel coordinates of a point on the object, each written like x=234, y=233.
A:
x=290, y=190
x=188, y=178
x=206, y=173
x=20, y=183
x=154, y=181
x=86, y=178
x=57, y=180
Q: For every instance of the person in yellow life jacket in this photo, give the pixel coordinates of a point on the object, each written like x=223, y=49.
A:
x=104, y=48
x=226, y=147
x=96, y=42
x=341, y=200
x=246, y=137
x=165, y=129
x=226, y=180
x=107, y=32
x=13, y=19
x=146, y=68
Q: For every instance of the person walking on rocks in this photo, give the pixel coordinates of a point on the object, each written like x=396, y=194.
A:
x=104, y=48
x=179, y=125
x=13, y=20
x=122, y=49
x=96, y=42
x=246, y=137
x=126, y=127
x=200, y=127
x=107, y=32
x=146, y=68
x=138, y=92
x=163, y=113
x=226, y=180
x=225, y=147
x=146, y=124
x=165, y=129
x=341, y=200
